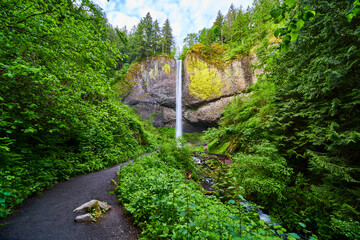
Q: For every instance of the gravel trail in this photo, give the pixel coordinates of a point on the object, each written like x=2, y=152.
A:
x=50, y=216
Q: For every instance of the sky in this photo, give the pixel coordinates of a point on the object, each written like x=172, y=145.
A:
x=185, y=16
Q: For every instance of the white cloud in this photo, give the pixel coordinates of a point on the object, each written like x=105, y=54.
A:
x=121, y=19
x=186, y=16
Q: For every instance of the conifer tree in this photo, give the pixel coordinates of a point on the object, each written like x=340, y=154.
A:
x=156, y=37
x=168, y=39
x=229, y=22
x=148, y=34
x=219, y=21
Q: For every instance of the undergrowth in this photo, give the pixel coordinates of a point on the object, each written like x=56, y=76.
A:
x=168, y=205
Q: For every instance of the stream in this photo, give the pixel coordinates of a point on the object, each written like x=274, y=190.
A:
x=208, y=183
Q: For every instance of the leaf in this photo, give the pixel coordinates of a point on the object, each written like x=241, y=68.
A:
x=290, y=3
x=182, y=214
x=300, y=23
x=193, y=205
x=287, y=39
x=302, y=224
x=241, y=197
x=294, y=36
x=294, y=235
x=231, y=202
x=153, y=217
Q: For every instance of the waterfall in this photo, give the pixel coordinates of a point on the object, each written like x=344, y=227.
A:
x=178, y=128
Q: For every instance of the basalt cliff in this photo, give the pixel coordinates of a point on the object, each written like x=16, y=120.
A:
x=207, y=88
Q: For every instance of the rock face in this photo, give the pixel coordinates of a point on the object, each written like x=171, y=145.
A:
x=152, y=90
x=207, y=89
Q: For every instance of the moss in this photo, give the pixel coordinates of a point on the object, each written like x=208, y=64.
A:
x=228, y=73
x=166, y=68
x=205, y=82
x=154, y=72
x=133, y=72
x=214, y=57
x=151, y=74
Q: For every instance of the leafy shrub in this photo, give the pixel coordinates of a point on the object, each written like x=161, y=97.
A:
x=177, y=157
x=263, y=174
x=167, y=205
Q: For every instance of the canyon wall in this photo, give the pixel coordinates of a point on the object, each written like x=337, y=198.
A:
x=207, y=89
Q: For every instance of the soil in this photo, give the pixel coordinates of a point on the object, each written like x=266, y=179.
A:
x=50, y=216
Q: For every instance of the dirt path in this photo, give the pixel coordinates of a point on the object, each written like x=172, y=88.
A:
x=50, y=216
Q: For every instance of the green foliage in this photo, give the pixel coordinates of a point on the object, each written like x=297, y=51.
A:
x=306, y=112
x=167, y=205
x=354, y=11
x=240, y=31
x=59, y=116
x=290, y=32
x=263, y=174
x=177, y=157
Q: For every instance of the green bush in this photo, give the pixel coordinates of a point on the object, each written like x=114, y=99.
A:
x=169, y=206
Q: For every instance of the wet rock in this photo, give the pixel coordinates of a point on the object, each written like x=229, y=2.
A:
x=208, y=183
x=85, y=218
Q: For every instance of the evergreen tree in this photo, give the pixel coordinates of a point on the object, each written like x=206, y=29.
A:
x=156, y=37
x=168, y=39
x=241, y=24
x=139, y=43
x=148, y=34
x=229, y=22
x=219, y=21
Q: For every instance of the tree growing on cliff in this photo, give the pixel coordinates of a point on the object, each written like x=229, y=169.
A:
x=148, y=34
x=168, y=39
x=156, y=37
x=219, y=21
x=229, y=23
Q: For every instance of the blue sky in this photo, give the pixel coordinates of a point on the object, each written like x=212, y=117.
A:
x=186, y=16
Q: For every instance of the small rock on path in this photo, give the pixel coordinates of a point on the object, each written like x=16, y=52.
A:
x=51, y=216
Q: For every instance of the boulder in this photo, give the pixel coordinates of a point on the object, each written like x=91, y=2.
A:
x=92, y=204
x=85, y=218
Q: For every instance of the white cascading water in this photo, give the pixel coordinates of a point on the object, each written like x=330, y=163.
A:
x=178, y=127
